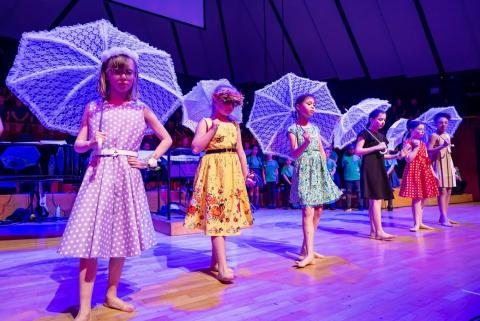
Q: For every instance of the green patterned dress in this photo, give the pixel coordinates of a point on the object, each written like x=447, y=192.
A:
x=312, y=184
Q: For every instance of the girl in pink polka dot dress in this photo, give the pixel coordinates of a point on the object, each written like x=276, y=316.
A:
x=111, y=217
x=419, y=181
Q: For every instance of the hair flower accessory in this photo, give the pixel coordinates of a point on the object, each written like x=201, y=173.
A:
x=229, y=95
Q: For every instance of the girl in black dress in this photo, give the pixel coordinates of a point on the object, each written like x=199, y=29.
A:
x=372, y=145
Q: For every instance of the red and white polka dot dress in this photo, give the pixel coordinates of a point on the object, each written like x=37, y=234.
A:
x=418, y=179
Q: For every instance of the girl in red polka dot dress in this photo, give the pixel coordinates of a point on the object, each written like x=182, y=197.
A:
x=419, y=181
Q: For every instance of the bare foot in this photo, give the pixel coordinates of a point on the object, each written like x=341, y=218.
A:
x=426, y=227
x=226, y=277
x=315, y=255
x=414, y=229
x=385, y=237
x=84, y=316
x=445, y=223
x=118, y=304
x=309, y=260
x=214, y=268
x=453, y=222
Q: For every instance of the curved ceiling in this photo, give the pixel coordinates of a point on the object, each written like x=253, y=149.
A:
x=261, y=40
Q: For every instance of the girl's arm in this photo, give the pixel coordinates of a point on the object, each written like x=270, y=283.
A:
x=159, y=131
x=334, y=170
x=203, y=135
x=410, y=156
x=296, y=150
x=391, y=169
x=360, y=150
x=431, y=142
x=82, y=144
x=285, y=177
x=241, y=154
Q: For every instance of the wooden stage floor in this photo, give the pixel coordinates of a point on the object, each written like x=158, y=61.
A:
x=419, y=276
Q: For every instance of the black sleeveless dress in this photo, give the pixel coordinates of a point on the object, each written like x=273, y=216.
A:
x=374, y=180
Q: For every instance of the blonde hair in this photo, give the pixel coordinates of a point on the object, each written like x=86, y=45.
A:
x=114, y=62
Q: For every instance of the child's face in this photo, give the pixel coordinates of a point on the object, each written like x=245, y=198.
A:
x=269, y=156
x=121, y=78
x=442, y=124
x=350, y=151
x=418, y=131
x=224, y=108
x=288, y=161
x=379, y=121
x=307, y=107
x=328, y=152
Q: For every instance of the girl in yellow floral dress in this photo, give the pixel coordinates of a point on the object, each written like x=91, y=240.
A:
x=219, y=203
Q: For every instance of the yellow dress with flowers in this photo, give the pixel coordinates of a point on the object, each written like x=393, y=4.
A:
x=219, y=203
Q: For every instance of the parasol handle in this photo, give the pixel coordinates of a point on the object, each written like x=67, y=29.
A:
x=383, y=152
x=100, y=123
x=100, y=143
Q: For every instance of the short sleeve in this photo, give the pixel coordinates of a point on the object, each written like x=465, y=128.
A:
x=363, y=134
x=292, y=129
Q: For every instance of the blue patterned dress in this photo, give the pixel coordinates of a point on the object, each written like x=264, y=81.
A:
x=312, y=184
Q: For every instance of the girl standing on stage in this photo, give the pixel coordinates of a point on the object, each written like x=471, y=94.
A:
x=441, y=155
x=312, y=185
x=111, y=218
x=419, y=181
x=374, y=182
x=219, y=203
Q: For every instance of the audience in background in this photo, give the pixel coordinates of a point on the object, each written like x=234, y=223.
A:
x=286, y=179
x=351, y=172
x=271, y=178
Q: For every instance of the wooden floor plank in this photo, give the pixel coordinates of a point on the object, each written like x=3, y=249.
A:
x=419, y=276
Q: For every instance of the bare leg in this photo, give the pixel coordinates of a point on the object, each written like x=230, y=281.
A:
x=375, y=211
x=317, y=213
x=218, y=245
x=443, y=203
x=214, y=261
x=416, y=213
x=115, y=266
x=442, y=200
x=373, y=232
x=447, y=202
x=308, y=233
x=422, y=225
x=88, y=272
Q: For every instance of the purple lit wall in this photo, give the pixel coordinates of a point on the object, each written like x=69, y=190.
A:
x=187, y=11
x=453, y=28
x=252, y=44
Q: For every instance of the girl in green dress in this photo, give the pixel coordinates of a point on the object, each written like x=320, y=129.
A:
x=312, y=185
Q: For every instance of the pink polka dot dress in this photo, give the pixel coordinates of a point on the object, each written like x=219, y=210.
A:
x=418, y=179
x=111, y=217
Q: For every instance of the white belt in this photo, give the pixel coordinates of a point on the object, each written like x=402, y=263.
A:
x=116, y=152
